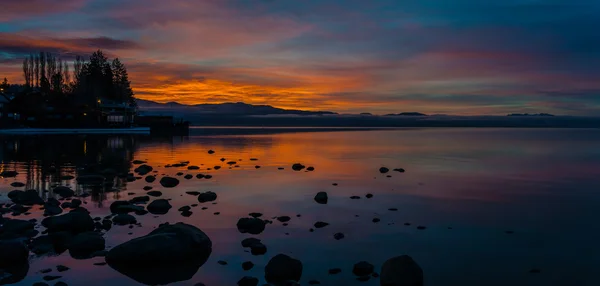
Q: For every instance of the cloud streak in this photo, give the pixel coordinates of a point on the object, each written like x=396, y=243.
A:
x=380, y=56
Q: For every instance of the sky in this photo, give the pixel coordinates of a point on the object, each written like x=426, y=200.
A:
x=463, y=57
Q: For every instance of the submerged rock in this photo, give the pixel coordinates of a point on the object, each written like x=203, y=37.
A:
x=321, y=198
x=247, y=265
x=248, y=281
x=83, y=245
x=401, y=271
x=251, y=225
x=17, y=184
x=169, y=182
x=150, y=179
x=283, y=268
x=160, y=206
x=170, y=253
x=28, y=198
x=74, y=222
x=188, y=177
x=363, y=268
x=383, y=170
x=143, y=170
x=124, y=219
x=207, y=197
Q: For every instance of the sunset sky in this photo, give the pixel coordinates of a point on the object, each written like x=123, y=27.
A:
x=381, y=56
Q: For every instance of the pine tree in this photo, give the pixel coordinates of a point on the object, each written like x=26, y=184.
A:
x=121, y=83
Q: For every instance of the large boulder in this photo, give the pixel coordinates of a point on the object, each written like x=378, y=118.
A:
x=74, y=222
x=170, y=253
x=14, y=263
x=169, y=182
x=160, y=206
x=251, y=225
x=401, y=271
x=28, y=198
x=207, y=197
x=283, y=268
x=63, y=192
x=83, y=245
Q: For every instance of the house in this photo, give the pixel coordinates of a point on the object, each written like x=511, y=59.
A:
x=114, y=113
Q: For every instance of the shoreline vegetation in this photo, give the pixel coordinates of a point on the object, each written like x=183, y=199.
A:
x=96, y=93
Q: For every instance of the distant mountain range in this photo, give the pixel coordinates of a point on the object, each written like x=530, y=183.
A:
x=221, y=109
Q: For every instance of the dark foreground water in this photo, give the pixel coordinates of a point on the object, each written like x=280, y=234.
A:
x=468, y=187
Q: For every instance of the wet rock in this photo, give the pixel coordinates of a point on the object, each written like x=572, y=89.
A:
x=12, y=252
x=160, y=206
x=83, y=245
x=421, y=227
x=334, y=271
x=320, y=224
x=338, y=236
x=399, y=170
x=248, y=281
x=51, y=277
x=124, y=219
x=154, y=193
x=221, y=262
x=17, y=185
x=143, y=170
x=283, y=268
x=193, y=168
x=363, y=268
x=150, y=179
x=140, y=200
x=368, y=196
x=74, y=222
x=255, y=215
x=283, y=218
x=207, y=177
x=63, y=192
x=211, y=152
x=258, y=248
x=298, y=167
x=169, y=182
x=217, y=167
x=184, y=208
x=120, y=207
x=9, y=174
x=251, y=225
x=401, y=271
x=137, y=162
x=393, y=209
x=188, y=177
x=41, y=245
x=355, y=198
x=321, y=198
x=170, y=253
x=200, y=176
x=193, y=193
x=247, y=265
x=216, y=213
x=280, y=168
x=248, y=242
x=376, y=220
x=51, y=210
x=47, y=270
x=383, y=170
x=62, y=268
x=186, y=213
x=207, y=197
x=28, y=198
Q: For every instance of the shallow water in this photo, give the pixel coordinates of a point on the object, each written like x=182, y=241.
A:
x=467, y=186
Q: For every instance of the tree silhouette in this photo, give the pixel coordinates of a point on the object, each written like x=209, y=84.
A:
x=4, y=85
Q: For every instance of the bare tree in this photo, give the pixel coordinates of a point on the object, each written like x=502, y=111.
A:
x=26, y=74
x=37, y=70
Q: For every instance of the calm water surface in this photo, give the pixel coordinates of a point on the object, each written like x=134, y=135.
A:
x=467, y=186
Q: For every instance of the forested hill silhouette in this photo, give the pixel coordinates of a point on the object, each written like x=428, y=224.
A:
x=230, y=108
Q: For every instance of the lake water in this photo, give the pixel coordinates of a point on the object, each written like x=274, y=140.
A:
x=468, y=187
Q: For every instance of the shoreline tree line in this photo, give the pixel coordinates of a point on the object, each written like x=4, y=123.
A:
x=90, y=81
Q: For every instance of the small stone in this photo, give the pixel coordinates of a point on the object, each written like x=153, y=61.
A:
x=247, y=265
x=383, y=170
x=338, y=236
x=321, y=198
x=297, y=167
x=334, y=271
x=248, y=281
x=368, y=196
x=393, y=209
x=320, y=224
x=355, y=197
x=222, y=262
x=51, y=277
x=47, y=270
x=376, y=220
x=310, y=169
x=421, y=227
x=255, y=215
x=282, y=268
x=363, y=268
x=283, y=218
x=207, y=197
x=154, y=193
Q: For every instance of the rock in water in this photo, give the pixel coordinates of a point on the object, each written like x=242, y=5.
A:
x=363, y=268
x=383, y=170
x=143, y=170
x=298, y=167
x=251, y=225
x=283, y=268
x=74, y=222
x=169, y=182
x=83, y=245
x=28, y=198
x=207, y=197
x=170, y=253
x=248, y=281
x=401, y=271
x=150, y=179
x=124, y=219
x=321, y=198
x=17, y=184
x=14, y=263
x=160, y=206
x=63, y=192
